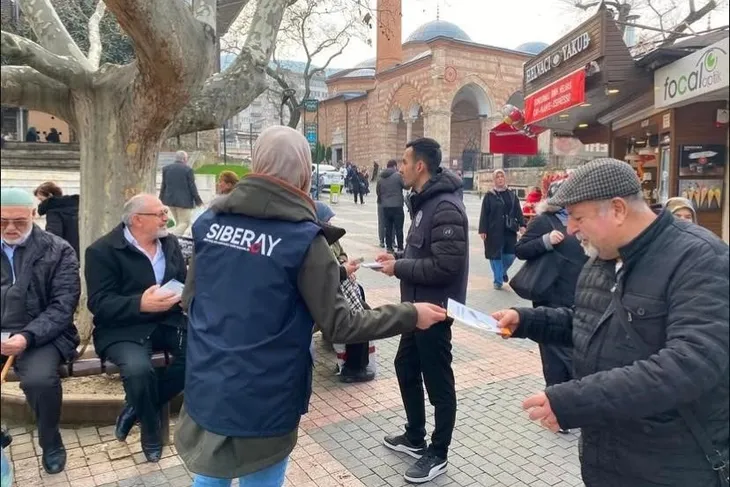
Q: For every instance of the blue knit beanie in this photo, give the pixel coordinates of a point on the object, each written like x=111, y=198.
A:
x=16, y=197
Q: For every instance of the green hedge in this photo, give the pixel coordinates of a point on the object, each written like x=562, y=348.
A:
x=216, y=169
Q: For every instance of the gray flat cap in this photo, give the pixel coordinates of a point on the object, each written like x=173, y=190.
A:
x=600, y=179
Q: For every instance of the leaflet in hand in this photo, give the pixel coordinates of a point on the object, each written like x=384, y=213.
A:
x=4, y=337
x=471, y=317
x=372, y=265
x=174, y=286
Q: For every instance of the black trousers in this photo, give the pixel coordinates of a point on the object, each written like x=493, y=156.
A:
x=357, y=356
x=557, y=360
x=147, y=390
x=358, y=190
x=37, y=369
x=394, y=218
x=427, y=354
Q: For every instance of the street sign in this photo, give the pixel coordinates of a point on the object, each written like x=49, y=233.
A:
x=311, y=105
x=310, y=132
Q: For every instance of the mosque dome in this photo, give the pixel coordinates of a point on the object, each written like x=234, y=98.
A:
x=438, y=28
x=532, y=47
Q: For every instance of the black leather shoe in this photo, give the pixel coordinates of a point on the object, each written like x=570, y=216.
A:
x=54, y=461
x=125, y=421
x=151, y=441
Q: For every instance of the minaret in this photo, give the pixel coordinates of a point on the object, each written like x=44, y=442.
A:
x=388, y=41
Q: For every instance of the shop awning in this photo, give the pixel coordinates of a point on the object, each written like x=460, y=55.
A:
x=504, y=139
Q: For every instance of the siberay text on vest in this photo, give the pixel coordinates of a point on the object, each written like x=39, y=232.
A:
x=241, y=238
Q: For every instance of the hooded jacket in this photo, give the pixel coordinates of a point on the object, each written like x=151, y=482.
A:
x=435, y=264
x=62, y=218
x=272, y=202
x=390, y=189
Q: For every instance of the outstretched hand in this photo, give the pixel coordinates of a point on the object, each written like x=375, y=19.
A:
x=428, y=315
x=509, y=321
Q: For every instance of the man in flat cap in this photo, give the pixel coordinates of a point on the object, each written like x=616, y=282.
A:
x=650, y=335
x=39, y=292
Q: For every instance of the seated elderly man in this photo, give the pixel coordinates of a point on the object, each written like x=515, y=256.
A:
x=134, y=317
x=40, y=291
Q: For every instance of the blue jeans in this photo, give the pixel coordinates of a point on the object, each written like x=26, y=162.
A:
x=272, y=476
x=500, y=267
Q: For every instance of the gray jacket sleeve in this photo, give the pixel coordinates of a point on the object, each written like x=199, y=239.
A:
x=319, y=286
x=693, y=362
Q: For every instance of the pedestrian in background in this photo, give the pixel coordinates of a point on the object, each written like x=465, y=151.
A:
x=61, y=212
x=179, y=192
x=389, y=191
x=500, y=221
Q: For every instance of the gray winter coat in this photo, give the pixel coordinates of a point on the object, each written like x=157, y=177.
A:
x=178, y=186
x=390, y=189
x=674, y=287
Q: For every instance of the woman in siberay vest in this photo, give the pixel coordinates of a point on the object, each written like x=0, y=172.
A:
x=262, y=273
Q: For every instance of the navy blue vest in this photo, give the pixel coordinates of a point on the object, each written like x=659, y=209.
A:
x=249, y=368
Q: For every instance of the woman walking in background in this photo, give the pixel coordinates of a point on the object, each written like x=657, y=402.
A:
x=61, y=212
x=500, y=221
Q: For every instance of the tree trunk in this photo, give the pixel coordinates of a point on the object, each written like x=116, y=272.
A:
x=295, y=114
x=113, y=169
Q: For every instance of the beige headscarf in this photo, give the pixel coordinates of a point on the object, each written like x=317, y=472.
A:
x=283, y=153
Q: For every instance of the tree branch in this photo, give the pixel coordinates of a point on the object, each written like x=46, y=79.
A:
x=61, y=68
x=242, y=82
x=691, y=18
x=173, y=49
x=50, y=31
x=95, y=47
x=23, y=86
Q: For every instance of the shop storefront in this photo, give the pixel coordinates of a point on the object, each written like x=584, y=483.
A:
x=679, y=143
x=588, y=71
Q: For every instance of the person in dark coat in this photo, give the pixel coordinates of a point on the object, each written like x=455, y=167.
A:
x=389, y=191
x=499, y=222
x=32, y=135
x=359, y=185
x=546, y=233
x=651, y=337
x=435, y=268
x=61, y=212
x=134, y=317
x=40, y=288
x=179, y=192
x=53, y=136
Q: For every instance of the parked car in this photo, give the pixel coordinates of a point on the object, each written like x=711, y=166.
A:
x=328, y=175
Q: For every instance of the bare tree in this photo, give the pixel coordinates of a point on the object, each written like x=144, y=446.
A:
x=122, y=113
x=322, y=30
x=666, y=20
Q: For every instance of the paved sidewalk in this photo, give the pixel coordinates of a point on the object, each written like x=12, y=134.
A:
x=340, y=441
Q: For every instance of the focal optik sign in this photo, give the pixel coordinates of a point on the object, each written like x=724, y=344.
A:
x=568, y=50
x=703, y=72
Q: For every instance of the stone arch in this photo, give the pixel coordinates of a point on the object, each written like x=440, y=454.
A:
x=404, y=94
x=395, y=114
x=363, y=115
x=475, y=90
x=414, y=110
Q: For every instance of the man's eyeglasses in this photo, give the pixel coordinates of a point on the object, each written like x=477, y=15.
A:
x=19, y=223
x=161, y=214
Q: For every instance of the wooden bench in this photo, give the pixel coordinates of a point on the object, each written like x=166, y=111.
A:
x=86, y=367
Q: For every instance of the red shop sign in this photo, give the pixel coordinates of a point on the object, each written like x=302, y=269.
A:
x=565, y=93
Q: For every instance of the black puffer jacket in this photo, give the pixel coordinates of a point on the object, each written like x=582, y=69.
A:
x=62, y=218
x=435, y=264
x=51, y=291
x=674, y=286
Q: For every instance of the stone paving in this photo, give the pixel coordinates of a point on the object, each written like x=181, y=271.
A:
x=494, y=444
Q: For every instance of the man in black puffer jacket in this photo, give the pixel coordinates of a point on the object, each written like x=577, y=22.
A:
x=650, y=335
x=390, y=197
x=433, y=268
